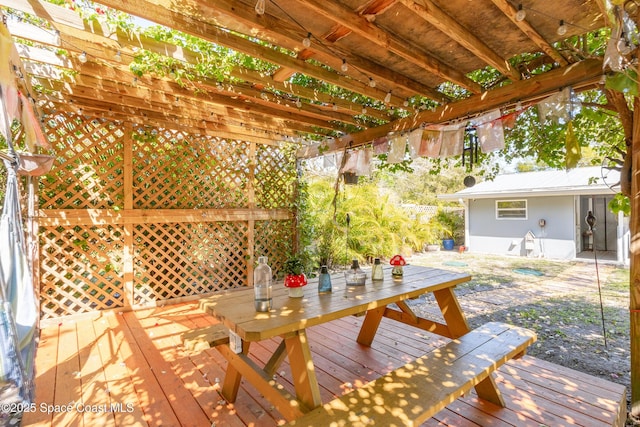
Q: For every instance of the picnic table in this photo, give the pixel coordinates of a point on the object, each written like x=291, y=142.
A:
x=240, y=325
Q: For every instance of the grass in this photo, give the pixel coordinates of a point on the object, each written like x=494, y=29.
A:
x=562, y=306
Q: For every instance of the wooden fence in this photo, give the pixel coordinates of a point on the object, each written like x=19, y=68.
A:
x=132, y=216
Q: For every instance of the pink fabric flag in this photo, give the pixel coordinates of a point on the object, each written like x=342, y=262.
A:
x=381, y=146
x=31, y=124
x=431, y=143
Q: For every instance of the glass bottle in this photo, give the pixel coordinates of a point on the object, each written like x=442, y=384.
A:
x=376, y=270
x=262, y=285
x=324, y=282
x=355, y=276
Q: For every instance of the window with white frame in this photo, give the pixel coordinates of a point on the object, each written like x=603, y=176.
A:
x=511, y=209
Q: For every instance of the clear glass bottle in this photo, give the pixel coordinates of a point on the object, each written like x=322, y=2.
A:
x=355, y=276
x=324, y=281
x=376, y=270
x=262, y=285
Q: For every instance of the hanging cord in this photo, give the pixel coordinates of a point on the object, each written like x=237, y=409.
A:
x=595, y=259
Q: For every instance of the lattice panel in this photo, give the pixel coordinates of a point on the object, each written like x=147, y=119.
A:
x=180, y=259
x=177, y=170
x=267, y=234
x=88, y=171
x=275, y=177
x=81, y=269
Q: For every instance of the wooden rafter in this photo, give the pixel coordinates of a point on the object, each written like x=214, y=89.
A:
x=164, y=12
x=428, y=11
x=508, y=9
x=332, y=10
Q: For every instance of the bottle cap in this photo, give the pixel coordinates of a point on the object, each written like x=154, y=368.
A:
x=354, y=264
x=376, y=261
x=324, y=270
x=262, y=259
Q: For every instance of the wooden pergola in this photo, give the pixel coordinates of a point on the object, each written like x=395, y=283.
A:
x=398, y=64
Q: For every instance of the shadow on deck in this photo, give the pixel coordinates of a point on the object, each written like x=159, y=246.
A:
x=130, y=369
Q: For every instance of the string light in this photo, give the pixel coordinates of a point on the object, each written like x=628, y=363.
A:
x=260, y=6
x=406, y=103
x=56, y=38
x=521, y=13
x=306, y=42
x=219, y=87
x=344, y=67
x=364, y=110
x=334, y=107
x=264, y=96
x=387, y=97
x=82, y=57
x=134, y=82
x=118, y=56
x=562, y=28
x=172, y=73
x=372, y=83
x=298, y=103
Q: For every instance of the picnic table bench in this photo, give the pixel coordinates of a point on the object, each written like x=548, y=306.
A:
x=413, y=393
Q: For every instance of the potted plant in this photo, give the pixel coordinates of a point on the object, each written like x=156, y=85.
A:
x=294, y=278
x=447, y=223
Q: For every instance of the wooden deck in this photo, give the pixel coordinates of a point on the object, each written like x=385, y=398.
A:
x=130, y=369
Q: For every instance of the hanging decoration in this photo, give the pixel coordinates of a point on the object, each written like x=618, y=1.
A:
x=414, y=141
x=452, y=140
x=470, y=147
x=363, y=164
x=397, y=149
x=431, y=142
x=490, y=132
x=381, y=146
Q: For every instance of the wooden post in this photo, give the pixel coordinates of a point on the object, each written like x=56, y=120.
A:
x=251, y=223
x=634, y=279
x=128, y=227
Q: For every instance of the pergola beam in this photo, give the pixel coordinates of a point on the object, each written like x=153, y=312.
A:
x=587, y=72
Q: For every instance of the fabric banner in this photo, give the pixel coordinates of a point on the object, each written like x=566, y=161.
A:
x=415, y=141
x=381, y=146
x=452, y=140
x=397, y=149
x=351, y=162
x=490, y=132
x=431, y=143
x=363, y=167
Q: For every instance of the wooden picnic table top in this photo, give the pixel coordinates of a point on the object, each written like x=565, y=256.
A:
x=235, y=308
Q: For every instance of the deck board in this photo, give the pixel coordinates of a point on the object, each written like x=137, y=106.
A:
x=137, y=358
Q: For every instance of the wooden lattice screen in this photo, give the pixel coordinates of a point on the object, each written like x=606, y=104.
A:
x=134, y=216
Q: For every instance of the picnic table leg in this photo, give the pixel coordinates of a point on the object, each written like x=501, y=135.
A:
x=304, y=374
x=452, y=312
x=458, y=326
x=232, y=378
x=370, y=325
x=488, y=390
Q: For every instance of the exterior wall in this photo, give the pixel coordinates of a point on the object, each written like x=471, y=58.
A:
x=555, y=240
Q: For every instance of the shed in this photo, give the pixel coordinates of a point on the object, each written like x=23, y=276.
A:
x=543, y=214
